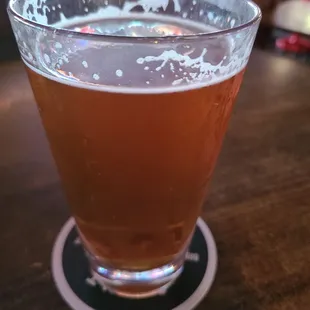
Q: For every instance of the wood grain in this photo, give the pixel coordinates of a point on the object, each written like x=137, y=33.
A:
x=258, y=206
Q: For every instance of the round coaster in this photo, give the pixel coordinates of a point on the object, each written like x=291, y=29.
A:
x=81, y=292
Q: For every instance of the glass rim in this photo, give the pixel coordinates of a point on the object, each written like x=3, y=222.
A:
x=93, y=36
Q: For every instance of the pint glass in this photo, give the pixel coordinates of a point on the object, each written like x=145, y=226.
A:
x=135, y=97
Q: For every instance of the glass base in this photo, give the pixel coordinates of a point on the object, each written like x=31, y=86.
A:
x=137, y=284
x=79, y=288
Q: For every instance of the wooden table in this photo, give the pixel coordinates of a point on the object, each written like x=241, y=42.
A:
x=258, y=207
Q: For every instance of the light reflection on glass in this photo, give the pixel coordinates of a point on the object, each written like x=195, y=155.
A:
x=134, y=28
x=139, y=276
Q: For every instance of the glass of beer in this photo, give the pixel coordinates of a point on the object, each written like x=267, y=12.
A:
x=135, y=97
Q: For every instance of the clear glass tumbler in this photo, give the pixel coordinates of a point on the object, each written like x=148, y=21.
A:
x=135, y=97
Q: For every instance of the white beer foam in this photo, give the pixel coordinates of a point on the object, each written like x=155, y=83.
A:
x=30, y=9
x=185, y=61
x=132, y=90
x=151, y=5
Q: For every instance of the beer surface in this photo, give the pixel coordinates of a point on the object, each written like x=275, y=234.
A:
x=135, y=139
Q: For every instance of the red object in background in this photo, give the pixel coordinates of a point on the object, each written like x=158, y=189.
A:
x=294, y=43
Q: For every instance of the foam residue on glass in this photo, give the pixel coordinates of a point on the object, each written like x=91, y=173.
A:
x=37, y=10
x=129, y=67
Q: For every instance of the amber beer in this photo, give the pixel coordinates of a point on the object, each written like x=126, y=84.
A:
x=135, y=97
x=135, y=167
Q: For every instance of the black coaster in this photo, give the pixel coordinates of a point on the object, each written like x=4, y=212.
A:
x=81, y=292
